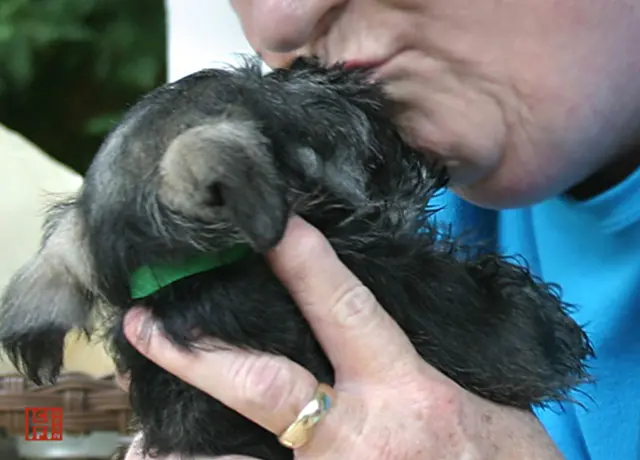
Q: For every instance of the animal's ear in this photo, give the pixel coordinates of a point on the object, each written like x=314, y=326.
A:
x=50, y=295
x=225, y=169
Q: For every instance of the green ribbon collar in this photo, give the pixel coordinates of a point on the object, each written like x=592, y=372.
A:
x=151, y=278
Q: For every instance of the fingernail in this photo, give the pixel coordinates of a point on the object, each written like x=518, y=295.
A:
x=289, y=241
x=138, y=326
x=292, y=223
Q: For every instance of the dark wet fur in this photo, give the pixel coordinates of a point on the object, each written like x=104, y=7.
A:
x=311, y=140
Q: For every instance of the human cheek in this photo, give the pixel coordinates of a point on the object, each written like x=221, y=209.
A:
x=459, y=118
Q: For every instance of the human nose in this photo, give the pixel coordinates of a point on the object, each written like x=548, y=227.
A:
x=284, y=26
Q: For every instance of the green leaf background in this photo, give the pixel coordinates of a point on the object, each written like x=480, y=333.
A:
x=69, y=68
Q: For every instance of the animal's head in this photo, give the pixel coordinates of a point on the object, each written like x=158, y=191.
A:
x=217, y=159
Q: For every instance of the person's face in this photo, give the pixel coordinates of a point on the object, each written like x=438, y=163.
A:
x=521, y=98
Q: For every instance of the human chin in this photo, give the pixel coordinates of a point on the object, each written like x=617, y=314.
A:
x=481, y=169
x=496, y=195
x=463, y=127
x=468, y=158
x=479, y=172
x=516, y=183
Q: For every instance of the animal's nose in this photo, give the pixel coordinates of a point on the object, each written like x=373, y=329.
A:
x=282, y=27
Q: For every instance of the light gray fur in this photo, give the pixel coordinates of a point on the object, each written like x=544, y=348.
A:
x=56, y=286
x=215, y=151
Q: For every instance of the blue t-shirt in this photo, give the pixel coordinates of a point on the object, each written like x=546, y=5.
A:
x=592, y=250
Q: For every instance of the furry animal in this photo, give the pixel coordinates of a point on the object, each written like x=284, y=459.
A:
x=222, y=158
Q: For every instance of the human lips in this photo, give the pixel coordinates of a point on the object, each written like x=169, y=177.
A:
x=380, y=70
x=368, y=64
x=374, y=68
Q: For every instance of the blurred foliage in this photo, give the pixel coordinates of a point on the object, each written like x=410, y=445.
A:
x=69, y=68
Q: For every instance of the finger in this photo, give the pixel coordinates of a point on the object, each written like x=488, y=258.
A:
x=122, y=381
x=357, y=334
x=134, y=453
x=267, y=389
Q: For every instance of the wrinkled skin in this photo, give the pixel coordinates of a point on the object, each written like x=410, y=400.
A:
x=524, y=99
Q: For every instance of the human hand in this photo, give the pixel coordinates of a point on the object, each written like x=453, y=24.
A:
x=389, y=404
x=135, y=453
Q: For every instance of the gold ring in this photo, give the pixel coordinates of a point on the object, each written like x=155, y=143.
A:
x=300, y=431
